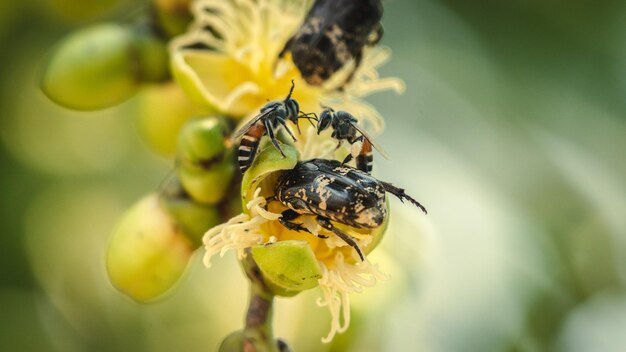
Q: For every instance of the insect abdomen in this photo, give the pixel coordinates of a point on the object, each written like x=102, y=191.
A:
x=365, y=158
x=249, y=145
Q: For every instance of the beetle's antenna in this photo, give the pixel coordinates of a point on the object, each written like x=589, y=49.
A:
x=399, y=192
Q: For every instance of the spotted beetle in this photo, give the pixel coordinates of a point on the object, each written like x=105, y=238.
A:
x=334, y=192
x=333, y=33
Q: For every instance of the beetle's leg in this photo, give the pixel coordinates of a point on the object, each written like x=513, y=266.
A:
x=285, y=48
x=325, y=223
x=286, y=219
x=357, y=63
x=376, y=36
x=270, y=131
x=399, y=192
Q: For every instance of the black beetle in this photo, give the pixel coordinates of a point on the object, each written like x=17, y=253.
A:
x=333, y=33
x=334, y=192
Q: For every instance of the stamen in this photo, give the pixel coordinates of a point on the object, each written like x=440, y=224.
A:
x=240, y=232
x=337, y=283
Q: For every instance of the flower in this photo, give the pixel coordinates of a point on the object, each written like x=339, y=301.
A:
x=228, y=61
x=338, y=271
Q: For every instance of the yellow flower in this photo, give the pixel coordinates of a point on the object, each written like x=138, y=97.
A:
x=228, y=61
x=338, y=270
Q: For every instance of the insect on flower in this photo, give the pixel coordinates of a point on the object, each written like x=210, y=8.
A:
x=334, y=192
x=273, y=115
x=333, y=32
x=345, y=128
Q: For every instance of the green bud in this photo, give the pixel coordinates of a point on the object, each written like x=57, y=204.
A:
x=79, y=10
x=173, y=16
x=163, y=110
x=152, y=59
x=289, y=267
x=193, y=218
x=101, y=66
x=209, y=183
x=206, y=165
x=148, y=251
x=235, y=343
x=202, y=139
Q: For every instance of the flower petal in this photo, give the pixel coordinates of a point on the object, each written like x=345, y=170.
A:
x=216, y=80
x=268, y=161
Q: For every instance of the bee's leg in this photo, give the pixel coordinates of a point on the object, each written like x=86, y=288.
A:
x=347, y=159
x=287, y=218
x=399, y=192
x=284, y=124
x=270, y=131
x=325, y=223
x=309, y=118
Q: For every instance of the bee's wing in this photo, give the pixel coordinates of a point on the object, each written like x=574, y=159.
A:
x=372, y=141
x=249, y=124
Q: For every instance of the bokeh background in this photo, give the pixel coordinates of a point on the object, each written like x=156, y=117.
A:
x=512, y=131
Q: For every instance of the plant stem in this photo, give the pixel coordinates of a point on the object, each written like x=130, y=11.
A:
x=258, y=335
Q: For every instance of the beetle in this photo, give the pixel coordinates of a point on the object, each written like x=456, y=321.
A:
x=334, y=192
x=273, y=115
x=333, y=33
x=345, y=128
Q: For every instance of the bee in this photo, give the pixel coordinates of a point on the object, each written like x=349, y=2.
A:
x=334, y=192
x=345, y=128
x=333, y=33
x=273, y=115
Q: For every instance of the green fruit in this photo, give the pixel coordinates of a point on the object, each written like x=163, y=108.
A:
x=208, y=183
x=163, y=110
x=148, y=251
x=173, y=16
x=194, y=218
x=101, y=66
x=288, y=267
x=206, y=166
x=202, y=139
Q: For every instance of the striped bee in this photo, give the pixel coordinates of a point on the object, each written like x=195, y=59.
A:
x=273, y=115
x=345, y=128
x=333, y=33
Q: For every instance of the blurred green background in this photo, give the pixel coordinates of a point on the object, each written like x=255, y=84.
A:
x=512, y=132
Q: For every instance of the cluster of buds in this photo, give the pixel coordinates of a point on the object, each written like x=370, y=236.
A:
x=210, y=65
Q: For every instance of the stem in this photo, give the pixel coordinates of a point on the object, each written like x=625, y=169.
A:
x=258, y=335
